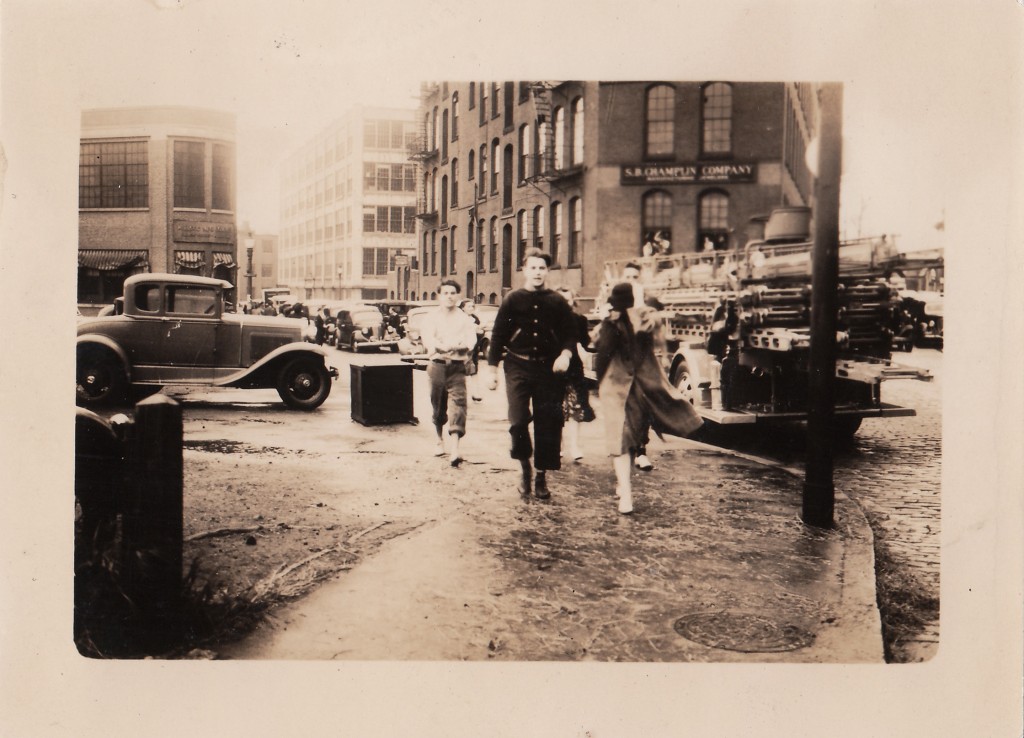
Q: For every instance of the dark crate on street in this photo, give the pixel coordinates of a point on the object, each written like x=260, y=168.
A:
x=382, y=394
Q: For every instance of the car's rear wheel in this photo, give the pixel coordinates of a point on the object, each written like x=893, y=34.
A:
x=304, y=383
x=100, y=378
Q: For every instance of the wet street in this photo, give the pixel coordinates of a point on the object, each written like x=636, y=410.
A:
x=893, y=469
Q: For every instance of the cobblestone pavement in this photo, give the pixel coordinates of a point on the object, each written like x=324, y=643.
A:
x=894, y=470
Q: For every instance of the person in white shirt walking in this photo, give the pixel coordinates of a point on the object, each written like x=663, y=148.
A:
x=449, y=336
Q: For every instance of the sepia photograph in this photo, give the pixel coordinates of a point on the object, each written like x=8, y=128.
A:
x=417, y=393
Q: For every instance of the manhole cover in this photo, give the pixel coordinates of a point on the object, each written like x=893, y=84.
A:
x=742, y=632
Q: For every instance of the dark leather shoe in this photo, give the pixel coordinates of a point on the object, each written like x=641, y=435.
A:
x=540, y=488
x=524, y=487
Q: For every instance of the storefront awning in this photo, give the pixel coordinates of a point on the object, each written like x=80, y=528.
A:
x=223, y=259
x=110, y=260
x=189, y=259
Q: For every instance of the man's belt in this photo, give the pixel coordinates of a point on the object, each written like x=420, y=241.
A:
x=532, y=360
x=450, y=361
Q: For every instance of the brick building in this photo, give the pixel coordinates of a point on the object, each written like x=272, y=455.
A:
x=156, y=193
x=592, y=171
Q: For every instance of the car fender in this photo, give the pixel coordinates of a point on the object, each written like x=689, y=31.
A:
x=96, y=339
x=263, y=373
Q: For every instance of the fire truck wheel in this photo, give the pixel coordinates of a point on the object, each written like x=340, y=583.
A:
x=683, y=382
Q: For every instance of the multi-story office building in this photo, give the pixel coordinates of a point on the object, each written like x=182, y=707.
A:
x=156, y=192
x=592, y=171
x=348, y=203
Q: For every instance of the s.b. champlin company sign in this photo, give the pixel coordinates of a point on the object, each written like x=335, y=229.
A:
x=688, y=172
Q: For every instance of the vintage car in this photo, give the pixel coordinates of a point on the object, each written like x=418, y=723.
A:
x=363, y=326
x=172, y=329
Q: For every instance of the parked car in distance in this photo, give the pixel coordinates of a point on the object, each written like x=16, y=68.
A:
x=363, y=326
x=173, y=330
x=487, y=314
x=411, y=344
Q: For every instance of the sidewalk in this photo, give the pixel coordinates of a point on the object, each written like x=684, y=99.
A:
x=714, y=565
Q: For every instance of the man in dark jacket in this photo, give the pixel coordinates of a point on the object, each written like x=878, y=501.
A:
x=534, y=333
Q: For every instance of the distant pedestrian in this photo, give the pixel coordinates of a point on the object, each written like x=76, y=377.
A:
x=448, y=337
x=635, y=393
x=469, y=308
x=534, y=334
x=576, y=407
x=322, y=323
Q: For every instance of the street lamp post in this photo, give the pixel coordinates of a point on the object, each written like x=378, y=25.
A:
x=249, y=242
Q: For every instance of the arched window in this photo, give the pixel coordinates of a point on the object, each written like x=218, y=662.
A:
x=433, y=252
x=483, y=103
x=444, y=200
x=483, y=169
x=472, y=94
x=522, y=237
x=455, y=116
x=480, y=245
x=656, y=229
x=426, y=193
x=525, y=170
x=433, y=130
x=471, y=169
x=577, y=131
x=538, y=227
x=576, y=231
x=493, y=299
x=543, y=151
x=455, y=183
x=508, y=98
x=433, y=191
x=426, y=253
x=659, y=115
x=428, y=144
x=492, y=245
x=444, y=134
x=559, y=138
x=495, y=165
x=713, y=220
x=506, y=179
x=451, y=254
x=716, y=119
x=444, y=256
x=556, y=231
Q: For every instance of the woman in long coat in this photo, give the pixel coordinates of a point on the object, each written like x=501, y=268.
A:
x=632, y=384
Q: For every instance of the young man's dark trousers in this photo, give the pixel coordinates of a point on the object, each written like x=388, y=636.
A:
x=533, y=384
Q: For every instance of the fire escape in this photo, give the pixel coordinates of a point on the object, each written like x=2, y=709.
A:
x=546, y=167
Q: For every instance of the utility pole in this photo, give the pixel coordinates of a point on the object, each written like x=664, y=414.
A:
x=819, y=491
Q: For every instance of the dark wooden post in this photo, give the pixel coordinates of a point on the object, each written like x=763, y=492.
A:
x=819, y=492
x=153, y=523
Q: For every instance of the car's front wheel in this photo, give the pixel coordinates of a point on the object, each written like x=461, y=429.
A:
x=100, y=378
x=304, y=383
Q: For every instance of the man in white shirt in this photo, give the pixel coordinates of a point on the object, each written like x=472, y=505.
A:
x=449, y=336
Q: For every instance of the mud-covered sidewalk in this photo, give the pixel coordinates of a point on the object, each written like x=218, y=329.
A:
x=713, y=566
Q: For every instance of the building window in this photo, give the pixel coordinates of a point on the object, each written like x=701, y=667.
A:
x=495, y=166
x=480, y=245
x=383, y=182
x=410, y=177
x=451, y=254
x=471, y=168
x=483, y=103
x=543, y=147
x=659, y=128
x=223, y=165
x=483, y=170
x=455, y=183
x=397, y=177
x=369, y=219
x=472, y=95
x=656, y=236
x=408, y=220
x=444, y=134
x=495, y=104
x=189, y=171
x=524, y=91
x=492, y=245
x=522, y=237
x=444, y=256
x=113, y=174
x=426, y=254
x=716, y=113
x=433, y=252
x=559, y=138
x=556, y=231
x=713, y=233
x=506, y=180
x=433, y=130
x=508, y=97
x=444, y=200
x=525, y=168
x=576, y=232
x=538, y=227
x=455, y=116
x=577, y=131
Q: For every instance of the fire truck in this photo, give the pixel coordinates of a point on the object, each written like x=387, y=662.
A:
x=736, y=328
